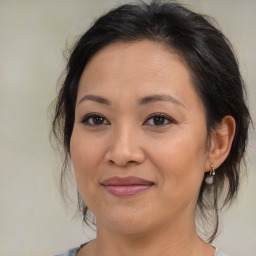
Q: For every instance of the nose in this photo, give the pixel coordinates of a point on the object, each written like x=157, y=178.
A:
x=125, y=148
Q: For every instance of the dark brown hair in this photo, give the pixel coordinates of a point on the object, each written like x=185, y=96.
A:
x=214, y=70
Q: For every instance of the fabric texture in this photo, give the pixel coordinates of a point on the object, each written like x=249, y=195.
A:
x=71, y=252
x=219, y=253
x=74, y=251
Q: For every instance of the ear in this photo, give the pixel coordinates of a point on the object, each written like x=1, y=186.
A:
x=221, y=141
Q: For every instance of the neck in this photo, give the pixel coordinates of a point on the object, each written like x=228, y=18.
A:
x=162, y=241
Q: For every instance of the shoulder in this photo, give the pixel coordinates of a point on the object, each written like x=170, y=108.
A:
x=219, y=253
x=71, y=252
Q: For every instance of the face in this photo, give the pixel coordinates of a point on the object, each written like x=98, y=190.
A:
x=139, y=142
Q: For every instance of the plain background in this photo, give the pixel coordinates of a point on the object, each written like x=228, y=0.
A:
x=33, y=37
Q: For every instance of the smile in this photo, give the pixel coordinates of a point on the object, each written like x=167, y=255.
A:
x=126, y=186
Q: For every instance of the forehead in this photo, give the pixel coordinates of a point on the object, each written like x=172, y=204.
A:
x=144, y=55
x=136, y=68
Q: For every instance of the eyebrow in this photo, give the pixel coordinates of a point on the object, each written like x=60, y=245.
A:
x=159, y=97
x=143, y=101
x=95, y=98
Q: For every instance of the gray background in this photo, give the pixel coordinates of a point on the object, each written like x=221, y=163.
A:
x=33, y=36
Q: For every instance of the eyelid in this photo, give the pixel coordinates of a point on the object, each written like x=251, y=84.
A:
x=171, y=120
x=84, y=120
x=91, y=115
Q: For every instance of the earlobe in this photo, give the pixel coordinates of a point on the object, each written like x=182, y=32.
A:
x=221, y=141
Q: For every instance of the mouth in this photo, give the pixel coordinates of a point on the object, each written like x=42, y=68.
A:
x=126, y=186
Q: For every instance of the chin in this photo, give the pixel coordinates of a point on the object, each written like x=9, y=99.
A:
x=128, y=228
x=125, y=221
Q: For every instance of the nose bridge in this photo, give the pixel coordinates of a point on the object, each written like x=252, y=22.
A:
x=125, y=146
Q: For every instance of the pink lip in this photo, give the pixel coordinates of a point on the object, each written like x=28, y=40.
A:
x=126, y=186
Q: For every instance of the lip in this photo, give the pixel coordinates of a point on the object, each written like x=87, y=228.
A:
x=126, y=186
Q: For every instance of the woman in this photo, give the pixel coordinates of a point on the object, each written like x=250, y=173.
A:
x=153, y=116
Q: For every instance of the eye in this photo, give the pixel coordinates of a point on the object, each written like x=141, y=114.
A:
x=158, y=119
x=94, y=120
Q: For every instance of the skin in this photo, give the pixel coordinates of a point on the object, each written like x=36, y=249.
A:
x=127, y=141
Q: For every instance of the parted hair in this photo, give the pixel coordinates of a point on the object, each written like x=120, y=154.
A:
x=214, y=72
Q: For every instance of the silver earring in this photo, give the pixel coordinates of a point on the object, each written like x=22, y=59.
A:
x=209, y=179
x=212, y=171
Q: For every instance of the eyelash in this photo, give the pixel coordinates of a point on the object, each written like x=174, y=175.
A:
x=161, y=115
x=86, y=120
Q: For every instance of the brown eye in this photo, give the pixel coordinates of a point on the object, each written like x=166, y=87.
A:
x=95, y=120
x=98, y=120
x=158, y=120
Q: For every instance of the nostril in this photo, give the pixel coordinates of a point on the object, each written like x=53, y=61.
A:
x=111, y=161
x=124, y=155
x=132, y=162
x=122, y=164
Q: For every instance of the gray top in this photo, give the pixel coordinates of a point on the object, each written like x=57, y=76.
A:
x=219, y=253
x=73, y=252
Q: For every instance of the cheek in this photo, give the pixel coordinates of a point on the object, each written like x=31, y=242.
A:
x=180, y=159
x=85, y=159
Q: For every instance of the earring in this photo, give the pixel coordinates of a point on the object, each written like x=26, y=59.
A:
x=209, y=179
x=212, y=171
